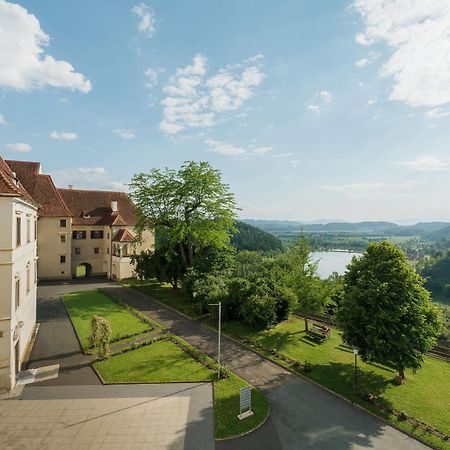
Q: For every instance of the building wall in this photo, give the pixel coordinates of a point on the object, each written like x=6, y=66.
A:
x=51, y=248
x=17, y=263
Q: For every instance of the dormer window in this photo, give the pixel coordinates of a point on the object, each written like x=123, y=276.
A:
x=86, y=215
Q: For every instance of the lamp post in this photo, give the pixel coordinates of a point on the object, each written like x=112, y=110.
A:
x=355, y=352
x=220, y=325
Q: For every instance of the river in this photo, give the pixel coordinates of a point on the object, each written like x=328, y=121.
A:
x=329, y=262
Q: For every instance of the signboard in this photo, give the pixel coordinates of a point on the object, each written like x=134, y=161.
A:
x=245, y=404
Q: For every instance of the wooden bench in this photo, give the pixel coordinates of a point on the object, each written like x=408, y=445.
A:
x=320, y=332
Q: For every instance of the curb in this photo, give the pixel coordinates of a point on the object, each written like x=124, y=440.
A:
x=304, y=377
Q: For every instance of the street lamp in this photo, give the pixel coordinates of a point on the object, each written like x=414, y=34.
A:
x=355, y=352
x=220, y=324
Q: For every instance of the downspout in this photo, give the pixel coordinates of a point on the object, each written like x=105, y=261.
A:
x=110, y=252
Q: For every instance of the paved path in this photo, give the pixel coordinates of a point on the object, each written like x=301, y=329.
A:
x=303, y=415
x=177, y=416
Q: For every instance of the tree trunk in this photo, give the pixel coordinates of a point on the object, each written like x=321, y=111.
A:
x=306, y=324
x=401, y=372
x=183, y=256
x=190, y=253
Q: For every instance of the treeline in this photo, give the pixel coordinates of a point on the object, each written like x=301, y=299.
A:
x=247, y=237
x=436, y=271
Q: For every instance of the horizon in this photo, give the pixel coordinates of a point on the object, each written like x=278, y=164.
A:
x=338, y=110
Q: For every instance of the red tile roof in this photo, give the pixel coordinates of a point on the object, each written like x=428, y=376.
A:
x=94, y=207
x=41, y=188
x=123, y=236
x=10, y=184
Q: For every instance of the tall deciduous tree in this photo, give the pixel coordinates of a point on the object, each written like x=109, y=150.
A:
x=190, y=209
x=301, y=277
x=386, y=311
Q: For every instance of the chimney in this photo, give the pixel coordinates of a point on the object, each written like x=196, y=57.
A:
x=114, y=206
x=70, y=186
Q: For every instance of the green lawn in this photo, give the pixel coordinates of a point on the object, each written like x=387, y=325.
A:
x=424, y=395
x=162, y=361
x=83, y=305
x=165, y=294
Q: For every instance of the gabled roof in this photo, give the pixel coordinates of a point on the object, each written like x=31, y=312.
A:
x=41, y=188
x=91, y=207
x=123, y=236
x=10, y=184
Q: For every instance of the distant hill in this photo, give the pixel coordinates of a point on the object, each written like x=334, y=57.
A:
x=437, y=273
x=443, y=233
x=252, y=238
x=374, y=228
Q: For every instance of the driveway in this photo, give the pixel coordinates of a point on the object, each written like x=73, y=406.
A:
x=66, y=411
x=303, y=415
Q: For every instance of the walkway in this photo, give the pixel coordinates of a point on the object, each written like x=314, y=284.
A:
x=303, y=415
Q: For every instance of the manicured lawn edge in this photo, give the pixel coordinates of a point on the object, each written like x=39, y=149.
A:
x=429, y=439
x=138, y=314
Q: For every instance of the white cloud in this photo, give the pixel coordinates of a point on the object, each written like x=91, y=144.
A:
x=225, y=148
x=24, y=65
x=88, y=178
x=428, y=163
x=18, y=147
x=63, y=135
x=125, y=133
x=193, y=100
x=363, y=62
x=147, y=19
x=436, y=113
x=319, y=102
x=418, y=32
x=151, y=77
x=372, y=102
x=2, y=119
x=92, y=169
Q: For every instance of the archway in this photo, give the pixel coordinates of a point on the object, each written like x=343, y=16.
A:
x=83, y=270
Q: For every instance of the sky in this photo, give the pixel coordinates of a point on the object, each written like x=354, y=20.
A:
x=311, y=110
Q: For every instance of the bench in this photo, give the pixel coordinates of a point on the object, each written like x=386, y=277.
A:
x=320, y=332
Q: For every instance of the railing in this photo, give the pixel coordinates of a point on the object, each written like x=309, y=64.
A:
x=438, y=350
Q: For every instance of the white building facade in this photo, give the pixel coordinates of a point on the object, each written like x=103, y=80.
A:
x=18, y=275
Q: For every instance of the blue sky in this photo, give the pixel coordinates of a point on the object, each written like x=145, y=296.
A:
x=311, y=110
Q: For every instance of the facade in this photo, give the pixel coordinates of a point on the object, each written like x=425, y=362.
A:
x=81, y=232
x=18, y=274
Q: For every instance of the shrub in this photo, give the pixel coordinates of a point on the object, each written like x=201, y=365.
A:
x=259, y=311
x=100, y=336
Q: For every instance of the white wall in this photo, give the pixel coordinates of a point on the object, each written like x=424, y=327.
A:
x=14, y=263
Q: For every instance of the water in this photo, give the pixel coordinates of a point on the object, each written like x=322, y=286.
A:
x=330, y=262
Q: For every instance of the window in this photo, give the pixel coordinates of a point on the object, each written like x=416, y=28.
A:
x=125, y=250
x=77, y=250
x=79, y=234
x=62, y=259
x=62, y=238
x=17, y=297
x=96, y=250
x=96, y=234
x=35, y=229
x=63, y=223
x=28, y=278
x=18, y=231
x=28, y=230
x=107, y=250
x=35, y=272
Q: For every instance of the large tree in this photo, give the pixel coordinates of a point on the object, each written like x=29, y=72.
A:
x=190, y=209
x=300, y=275
x=385, y=309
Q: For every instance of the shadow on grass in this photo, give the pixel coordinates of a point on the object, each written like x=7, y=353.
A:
x=340, y=378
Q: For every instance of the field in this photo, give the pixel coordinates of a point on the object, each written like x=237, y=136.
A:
x=424, y=395
x=83, y=305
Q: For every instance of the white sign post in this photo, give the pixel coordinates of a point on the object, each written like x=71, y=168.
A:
x=245, y=403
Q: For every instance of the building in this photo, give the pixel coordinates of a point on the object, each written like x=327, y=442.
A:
x=81, y=232
x=18, y=273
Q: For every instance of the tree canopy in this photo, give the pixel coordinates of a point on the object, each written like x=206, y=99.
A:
x=385, y=309
x=247, y=237
x=189, y=209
